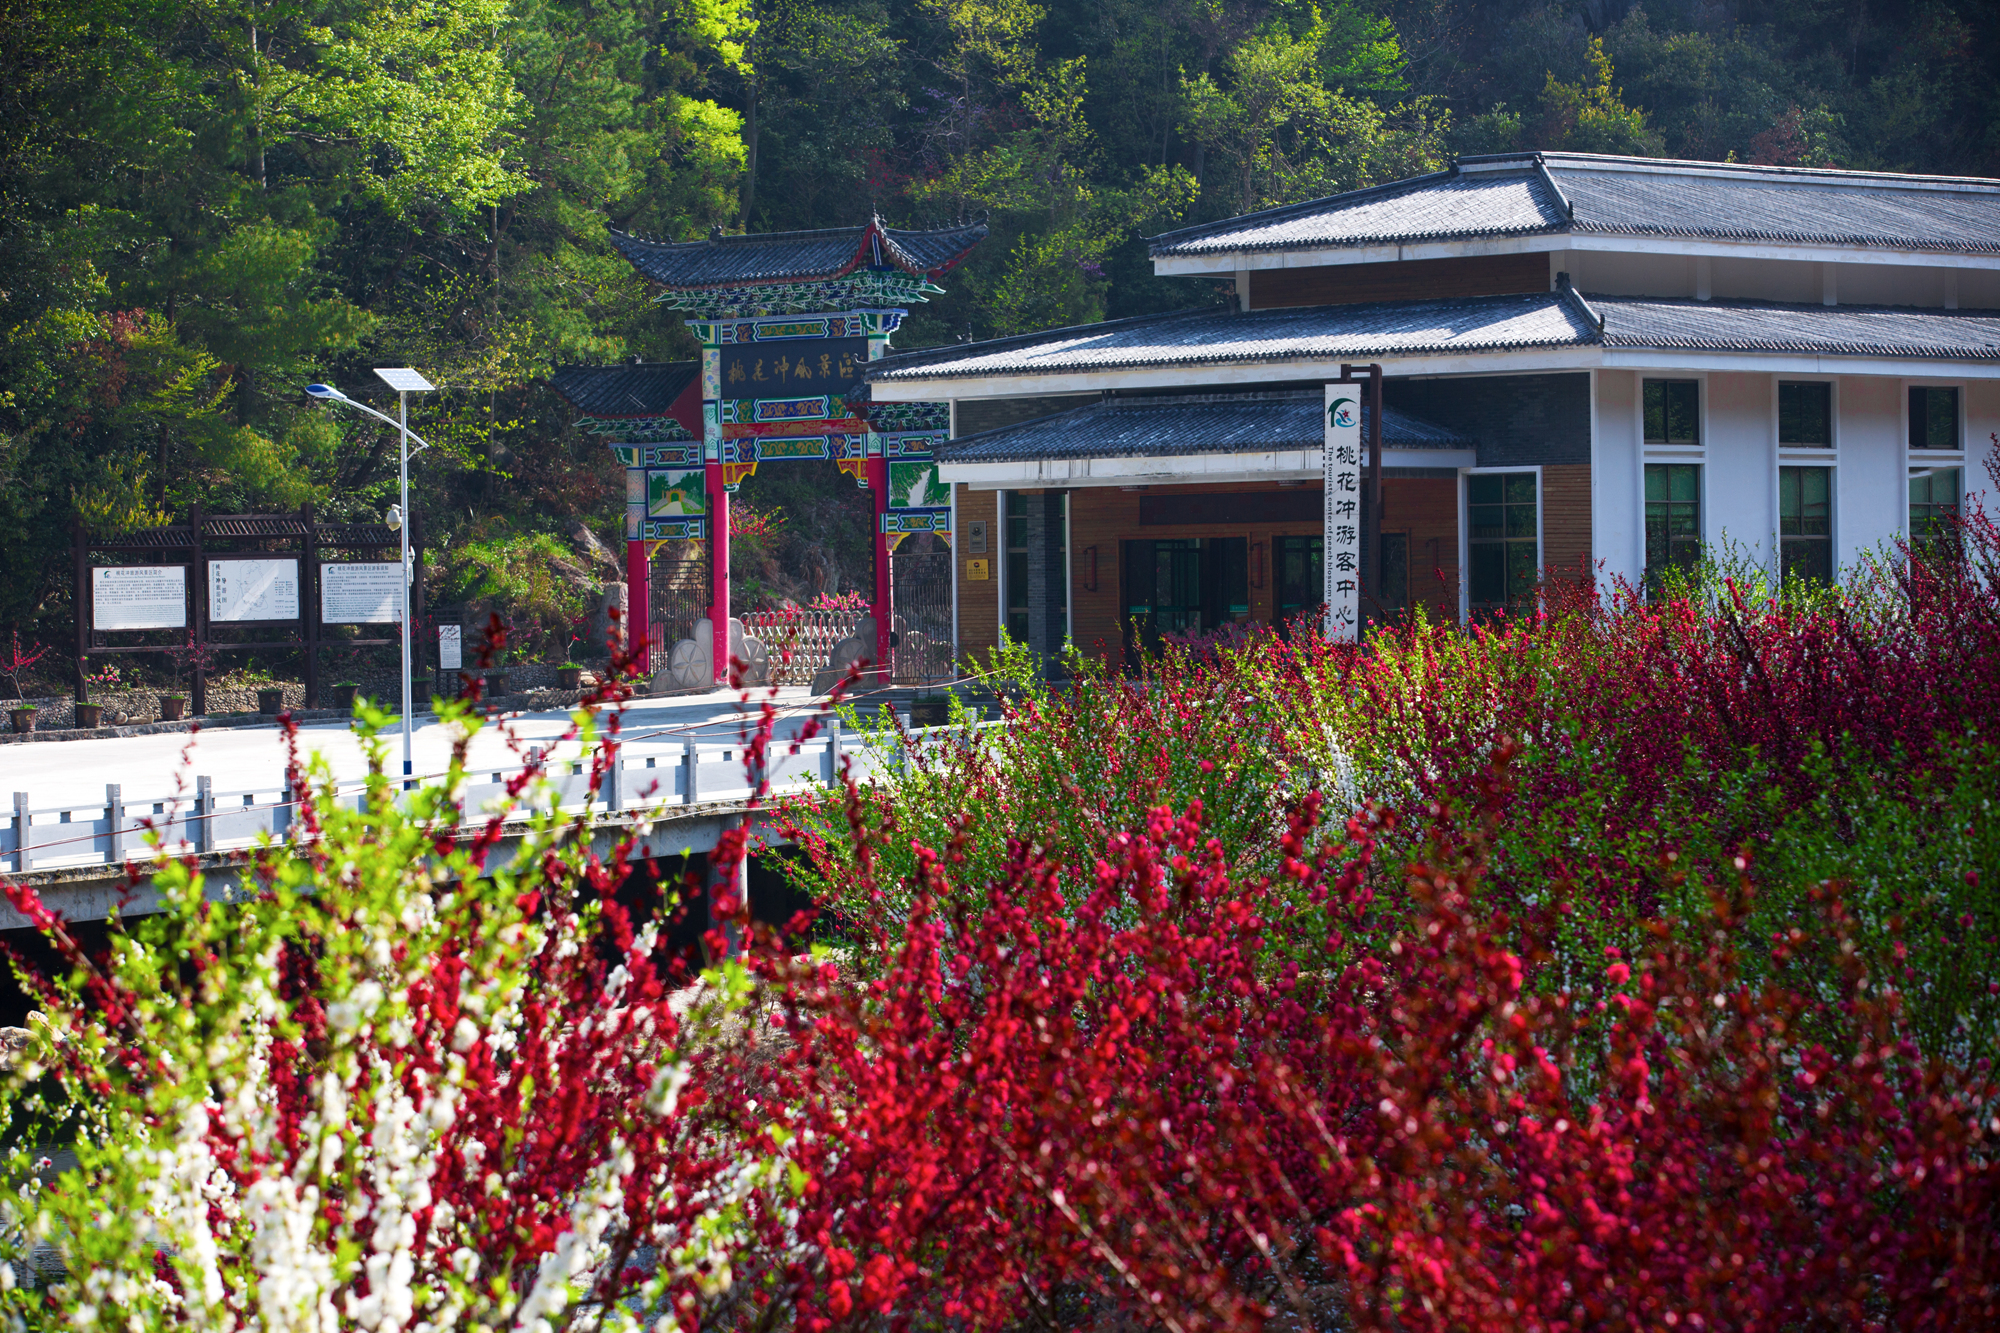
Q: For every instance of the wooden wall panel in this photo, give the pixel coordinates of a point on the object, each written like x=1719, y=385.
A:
x=1399, y=280
x=1426, y=509
x=978, y=602
x=1566, y=520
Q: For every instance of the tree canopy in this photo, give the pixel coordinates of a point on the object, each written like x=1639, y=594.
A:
x=208, y=203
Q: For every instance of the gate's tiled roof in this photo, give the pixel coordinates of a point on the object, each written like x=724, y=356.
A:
x=1184, y=424
x=1580, y=193
x=797, y=256
x=646, y=390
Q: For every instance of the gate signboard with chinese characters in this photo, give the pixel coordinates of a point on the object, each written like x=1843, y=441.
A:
x=1342, y=559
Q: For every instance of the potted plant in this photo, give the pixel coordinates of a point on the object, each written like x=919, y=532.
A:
x=569, y=676
x=89, y=716
x=193, y=655
x=23, y=719
x=271, y=700
x=344, y=694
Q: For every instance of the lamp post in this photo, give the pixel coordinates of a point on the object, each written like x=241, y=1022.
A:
x=405, y=382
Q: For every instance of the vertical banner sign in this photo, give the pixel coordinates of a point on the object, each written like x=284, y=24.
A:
x=451, y=642
x=1341, y=552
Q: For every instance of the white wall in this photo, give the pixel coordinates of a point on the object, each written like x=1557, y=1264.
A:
x=1739, y=480
x=1982, y=422
x=1617, y=513
x=1872, y=486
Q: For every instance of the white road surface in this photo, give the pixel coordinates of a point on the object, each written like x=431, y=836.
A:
x=240, y=759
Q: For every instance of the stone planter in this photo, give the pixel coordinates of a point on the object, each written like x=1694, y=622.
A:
x=569, y=677
x=343, y=695
x=23, y=720
x=270, y=701
x=933, y=712
x=89, y=716
x=496, y=684
x=173, y=707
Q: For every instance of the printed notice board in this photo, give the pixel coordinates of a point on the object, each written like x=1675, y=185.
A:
x=138, y=597
x=451, y=647
x=361, y=593
x=254, y=589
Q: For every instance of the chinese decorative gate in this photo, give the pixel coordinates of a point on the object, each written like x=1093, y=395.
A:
x=786, y=324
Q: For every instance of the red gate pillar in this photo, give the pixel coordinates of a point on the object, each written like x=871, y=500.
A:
x=638, y=627
x=718, y=561
x=884, y=608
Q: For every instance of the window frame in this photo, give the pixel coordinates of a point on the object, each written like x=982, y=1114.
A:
x=1700, y=502
x=1956, y=451
x=1831, y=539
x=1832, y=386
x=1465, y=476
x=1700, y=386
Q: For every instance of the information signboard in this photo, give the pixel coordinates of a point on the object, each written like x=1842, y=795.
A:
x=138, y=597
x=451, y=647
x=1342, y=517
x=259, y=588
x=361, y=592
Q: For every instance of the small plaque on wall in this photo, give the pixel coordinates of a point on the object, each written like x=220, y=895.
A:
x=975, y=571
x=975, y=539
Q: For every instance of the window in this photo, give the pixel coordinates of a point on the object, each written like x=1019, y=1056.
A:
x=1934, y=419
x=1805, y=523
x=1934, y=497
x=1805, y=415
x=1673, y=520
x=1673, y=412
x=1501, y=541
x=1016, y=570
x=1301, y=586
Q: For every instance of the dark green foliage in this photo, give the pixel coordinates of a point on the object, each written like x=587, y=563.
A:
x=206, y=203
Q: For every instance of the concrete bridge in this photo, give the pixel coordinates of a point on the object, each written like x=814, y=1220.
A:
x=677, y=786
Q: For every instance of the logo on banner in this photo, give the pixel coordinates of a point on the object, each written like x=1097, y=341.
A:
x=1340, y=414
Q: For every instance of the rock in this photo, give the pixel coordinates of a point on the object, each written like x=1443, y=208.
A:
x=855, y=648
x=594, y=551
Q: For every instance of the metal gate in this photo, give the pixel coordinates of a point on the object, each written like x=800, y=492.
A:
x=920, y=584
x=680, y=595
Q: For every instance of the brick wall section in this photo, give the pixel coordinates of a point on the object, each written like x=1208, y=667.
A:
x=979, y=603
x=1399, y=280
x=1516, y=420
x=1566, y=520
x=1426, y=510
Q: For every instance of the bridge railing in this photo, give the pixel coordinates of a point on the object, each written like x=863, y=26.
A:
x=648, y=773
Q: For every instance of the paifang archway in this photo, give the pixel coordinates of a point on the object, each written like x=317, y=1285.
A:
x=786, y=322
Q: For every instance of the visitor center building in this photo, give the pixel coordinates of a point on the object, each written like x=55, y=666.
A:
x=1594, y=366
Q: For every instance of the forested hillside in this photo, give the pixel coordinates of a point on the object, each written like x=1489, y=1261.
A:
x=208, y=203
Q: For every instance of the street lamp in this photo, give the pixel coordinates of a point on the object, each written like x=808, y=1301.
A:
x=405, y=382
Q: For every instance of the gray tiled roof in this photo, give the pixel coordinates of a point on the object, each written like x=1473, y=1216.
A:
x=796, y=256
x=1519, y=194
x=1208, y=337
x=624, y=391
x=1196, y=339
x=1184, y=424
x=1770, y=326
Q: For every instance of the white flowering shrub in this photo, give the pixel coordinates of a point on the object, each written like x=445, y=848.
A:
x=394, y=1085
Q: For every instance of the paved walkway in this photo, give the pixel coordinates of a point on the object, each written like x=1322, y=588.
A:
x=240, y=759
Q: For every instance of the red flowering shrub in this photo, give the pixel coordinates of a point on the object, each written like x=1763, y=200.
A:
x=1103, y=1105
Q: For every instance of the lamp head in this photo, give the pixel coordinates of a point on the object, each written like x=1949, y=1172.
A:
x=323, y=391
